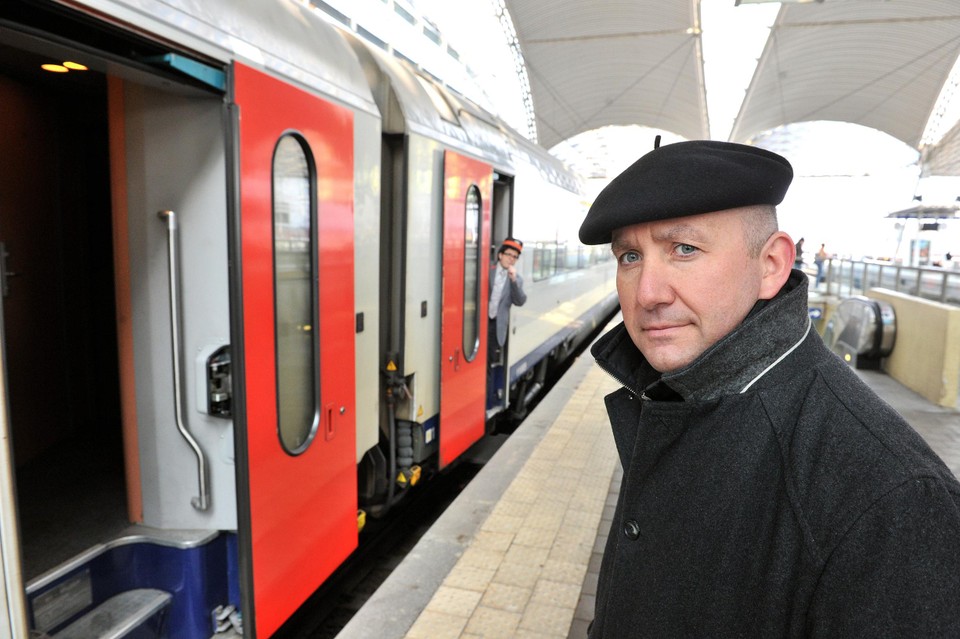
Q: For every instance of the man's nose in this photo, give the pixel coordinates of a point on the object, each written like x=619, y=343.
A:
x=653, y=285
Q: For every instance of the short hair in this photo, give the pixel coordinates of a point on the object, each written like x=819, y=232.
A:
x=759, y=223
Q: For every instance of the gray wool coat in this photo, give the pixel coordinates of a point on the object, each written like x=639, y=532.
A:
x=767, y=492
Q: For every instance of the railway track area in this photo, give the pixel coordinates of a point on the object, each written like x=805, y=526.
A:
x=382, y=548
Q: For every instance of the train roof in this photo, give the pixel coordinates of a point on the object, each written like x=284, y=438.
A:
x=412, y=101
x=282, y=36
x=293, y=41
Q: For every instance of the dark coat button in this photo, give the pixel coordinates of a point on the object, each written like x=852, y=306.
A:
x=631, y=529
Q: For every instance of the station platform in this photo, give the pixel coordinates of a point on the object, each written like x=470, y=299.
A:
x=518, y=553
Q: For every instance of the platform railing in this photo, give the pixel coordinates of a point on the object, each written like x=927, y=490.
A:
x=844, y=278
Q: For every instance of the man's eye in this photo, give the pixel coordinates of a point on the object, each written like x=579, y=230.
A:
x=686, y=249
x=629, y=257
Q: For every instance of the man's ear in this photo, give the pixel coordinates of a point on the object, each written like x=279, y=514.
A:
x=776, y=262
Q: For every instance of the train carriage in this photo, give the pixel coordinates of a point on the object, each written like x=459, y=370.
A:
x=245, y=261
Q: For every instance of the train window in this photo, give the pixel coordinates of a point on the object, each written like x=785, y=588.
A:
x=431, y=32
x=563, y=259
x=403, y=13
x=544, y=260
x=295, y=293
x=471, y=274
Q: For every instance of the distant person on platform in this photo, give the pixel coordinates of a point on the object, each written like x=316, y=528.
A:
x=766, y=492
x=506, y=290
x=819, y=259
x=798, y=259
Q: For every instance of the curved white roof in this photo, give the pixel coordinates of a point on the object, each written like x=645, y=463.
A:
x=604, y=62
x=877, y=63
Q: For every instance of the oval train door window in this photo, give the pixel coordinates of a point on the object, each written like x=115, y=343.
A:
x=295, y=293
x=471, y=274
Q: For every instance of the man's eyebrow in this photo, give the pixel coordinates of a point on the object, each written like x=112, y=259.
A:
x=680, y=232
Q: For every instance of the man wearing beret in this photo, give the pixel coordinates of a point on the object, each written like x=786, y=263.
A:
x=766, y=491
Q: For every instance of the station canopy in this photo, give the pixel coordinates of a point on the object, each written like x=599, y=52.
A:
x=876, y=63
x=926, y=213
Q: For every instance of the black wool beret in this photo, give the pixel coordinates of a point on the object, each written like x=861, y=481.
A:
x=687, y=178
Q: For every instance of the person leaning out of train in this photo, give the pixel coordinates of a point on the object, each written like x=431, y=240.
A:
x=766, y=492
x=506, y=290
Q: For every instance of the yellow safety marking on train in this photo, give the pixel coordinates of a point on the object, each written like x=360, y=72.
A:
x=361, y=520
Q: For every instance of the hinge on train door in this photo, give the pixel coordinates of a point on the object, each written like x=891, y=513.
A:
x=5, y=272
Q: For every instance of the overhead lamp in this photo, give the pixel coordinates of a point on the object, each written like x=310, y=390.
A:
x=63, y=68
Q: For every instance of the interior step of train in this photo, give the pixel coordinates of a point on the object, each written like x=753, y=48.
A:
x=134, y=613
x=145, y=584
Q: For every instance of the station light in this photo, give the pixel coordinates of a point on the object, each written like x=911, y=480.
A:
x=63, y=68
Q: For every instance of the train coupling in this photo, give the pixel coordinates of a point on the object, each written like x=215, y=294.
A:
x=409, y=476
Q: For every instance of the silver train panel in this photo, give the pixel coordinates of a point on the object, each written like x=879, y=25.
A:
x=366, y=219
x=175, y=161
x=555, y=304
x=548, y=212
x=423, y=269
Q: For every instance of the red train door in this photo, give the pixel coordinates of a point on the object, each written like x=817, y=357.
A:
x=296, y=447
x=466, y=228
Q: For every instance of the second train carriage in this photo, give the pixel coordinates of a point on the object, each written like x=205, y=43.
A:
x=245, y=255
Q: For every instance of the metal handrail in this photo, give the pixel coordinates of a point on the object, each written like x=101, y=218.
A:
x=845, y=277
x=201, y=502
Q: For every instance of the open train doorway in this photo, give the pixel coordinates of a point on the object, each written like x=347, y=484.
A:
x=59, y=309
x=498, y=356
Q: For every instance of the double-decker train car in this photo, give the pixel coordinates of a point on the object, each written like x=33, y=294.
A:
x=245, y=262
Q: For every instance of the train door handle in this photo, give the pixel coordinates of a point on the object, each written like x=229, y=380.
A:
x=329, y=426
x=456, y=359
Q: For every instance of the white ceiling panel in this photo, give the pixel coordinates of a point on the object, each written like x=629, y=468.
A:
x=878, y=63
